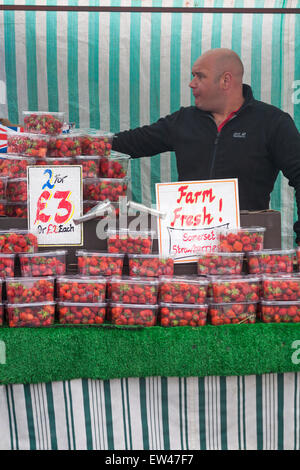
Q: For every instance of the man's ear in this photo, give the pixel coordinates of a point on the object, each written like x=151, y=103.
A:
x=226, y=79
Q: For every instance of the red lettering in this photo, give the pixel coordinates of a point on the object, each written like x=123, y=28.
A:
x=41, y=206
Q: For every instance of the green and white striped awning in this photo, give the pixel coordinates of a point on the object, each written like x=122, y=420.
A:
x=154, y=413
x=116, y=70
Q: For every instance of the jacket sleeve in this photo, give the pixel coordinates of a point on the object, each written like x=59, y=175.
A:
x=285, y=143
x=149, y=140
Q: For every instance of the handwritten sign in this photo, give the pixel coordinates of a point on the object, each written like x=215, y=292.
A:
x=195, y=209
x=54, y=199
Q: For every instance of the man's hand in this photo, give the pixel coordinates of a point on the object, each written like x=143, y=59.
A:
x=6, y=122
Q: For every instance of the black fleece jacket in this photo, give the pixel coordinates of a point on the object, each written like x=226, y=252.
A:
x=253, y=146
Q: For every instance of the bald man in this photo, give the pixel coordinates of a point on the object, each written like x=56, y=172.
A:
x=227, y=134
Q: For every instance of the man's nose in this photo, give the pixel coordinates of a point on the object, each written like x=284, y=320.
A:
x=191, y=84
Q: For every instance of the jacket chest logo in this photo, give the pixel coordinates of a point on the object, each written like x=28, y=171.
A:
x=239, y=135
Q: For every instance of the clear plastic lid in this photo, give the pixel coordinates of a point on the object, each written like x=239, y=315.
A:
x=83, y=304
x=87, y=157
x=186, y=279
x=241, y=229
x=31, y=305
x=81, y=279
x=57, y=114
x=97, y=133
x=99, y=254
x=128, y=232
x=21, y=280
x=234, y=278
x=16, y=180
x=279, y=303
x=229, y=304
x=187, y=306
x=8, y=255
x=105, y=180
x=117, y=156
x=50, y=160
x=281, y=277
x=19, y=157
x=222, y=253
x=28, y=135
x=134, y=280
x=270, y=252
x=151, y=256
x=133, y=306
x=39, y=254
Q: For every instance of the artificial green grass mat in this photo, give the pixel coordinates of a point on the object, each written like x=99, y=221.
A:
x=35, y=355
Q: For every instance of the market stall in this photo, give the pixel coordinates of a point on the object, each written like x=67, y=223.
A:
x=198, y=378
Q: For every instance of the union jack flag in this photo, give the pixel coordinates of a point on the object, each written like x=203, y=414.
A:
x=3, y=136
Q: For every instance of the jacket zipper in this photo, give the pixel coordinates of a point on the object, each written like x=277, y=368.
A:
x=216, y=145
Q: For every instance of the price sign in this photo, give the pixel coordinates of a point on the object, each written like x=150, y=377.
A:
x=54, y=199
x=195, y=209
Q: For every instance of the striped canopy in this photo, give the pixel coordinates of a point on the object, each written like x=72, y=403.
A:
x=115, y=70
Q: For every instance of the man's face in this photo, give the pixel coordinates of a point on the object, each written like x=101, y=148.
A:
x=205, y=85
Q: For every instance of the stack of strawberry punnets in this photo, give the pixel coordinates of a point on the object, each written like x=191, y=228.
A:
x=30, y=301
x=133, y=300
x=105, y=173
x=183, y=301
x=280, y=298
x=81, y=300
x=280, y=285
x=30, y=147
x=234, y=299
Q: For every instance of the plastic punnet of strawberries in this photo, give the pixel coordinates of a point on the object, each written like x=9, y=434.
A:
x=241, y=239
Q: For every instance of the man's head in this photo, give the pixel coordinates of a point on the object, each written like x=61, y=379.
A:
x=217, y=79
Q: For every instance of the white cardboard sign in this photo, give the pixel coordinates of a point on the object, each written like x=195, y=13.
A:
x=54, y=199
x=195, y=209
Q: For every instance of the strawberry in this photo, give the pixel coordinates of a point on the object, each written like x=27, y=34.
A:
x=34, y=314
x=19, y=241
x=241, y=240
x=31, y=145
x=150, y=265
x=14, y=166
x=185, y=289
x=16, y=209
x=270, y=261
x=43, y=122
x=90, y=165
x=126, y=241
x=17, y=190
x=133, y=314
x=281, y=287
x=7, y=265
x=235, y=288
x=43, y=263
x=114, y=166
x=81, y=313
x=81, y=289
x=64, y=145
x=134, y=290
x=96, y=263
x=97, y=143
x=280, y=311
x=219, y=263
x=29, y=290
x=100, y=189
x=172, y=314
x=232, y=313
